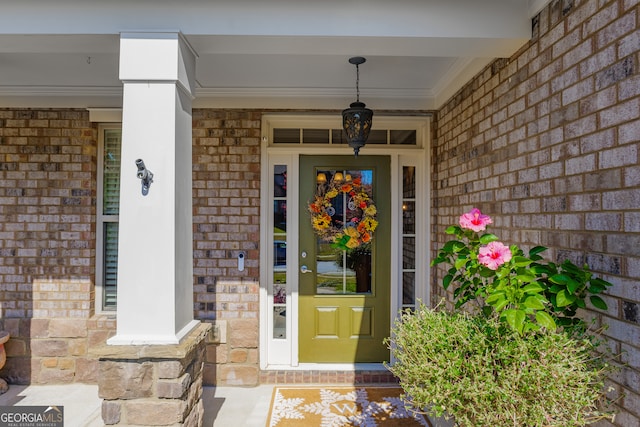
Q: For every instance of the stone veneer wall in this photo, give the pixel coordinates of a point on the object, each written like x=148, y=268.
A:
x=145, y=385
x=547, y=142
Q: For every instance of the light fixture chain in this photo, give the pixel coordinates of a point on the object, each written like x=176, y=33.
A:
x=357, y=82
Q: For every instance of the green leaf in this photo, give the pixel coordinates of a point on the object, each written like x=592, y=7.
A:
x=560, y=279
x=555, y=289
x=447, y=280
x=598, y=302
x=460, y=262
x=563, y=299
x=452, y=229
x=533, y=288
x=488, y=238
x=521, y=261
x=545, y=320
x=525, y=278
x=540, y=269
x=572, y=286
x=598, y=285
x=452, y=246
x=496, y=296
x=499, y=305
x=536, y=250
x=533, y=302
x=515, y=319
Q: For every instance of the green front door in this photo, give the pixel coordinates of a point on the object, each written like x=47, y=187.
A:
x=344, y=260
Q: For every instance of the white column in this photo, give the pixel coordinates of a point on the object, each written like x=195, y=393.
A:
x=155, y=242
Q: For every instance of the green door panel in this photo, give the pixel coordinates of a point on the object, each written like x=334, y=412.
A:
x=344, y=314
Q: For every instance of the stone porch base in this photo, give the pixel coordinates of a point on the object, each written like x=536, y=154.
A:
x=144, y=385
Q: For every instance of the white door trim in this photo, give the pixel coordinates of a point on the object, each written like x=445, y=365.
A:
x=282, y=354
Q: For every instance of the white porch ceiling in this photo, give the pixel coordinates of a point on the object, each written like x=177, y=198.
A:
x=262, y=53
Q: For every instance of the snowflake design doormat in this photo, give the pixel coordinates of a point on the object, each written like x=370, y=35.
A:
x=341, y=406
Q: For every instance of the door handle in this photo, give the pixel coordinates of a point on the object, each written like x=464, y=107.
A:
x=304, y=269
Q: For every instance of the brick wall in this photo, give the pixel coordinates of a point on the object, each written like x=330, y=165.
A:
x=226, y=220
x=47, y=245
x=547, y=142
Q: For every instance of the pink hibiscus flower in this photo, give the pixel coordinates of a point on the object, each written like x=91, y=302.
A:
x=474, y=220
x=494, y=255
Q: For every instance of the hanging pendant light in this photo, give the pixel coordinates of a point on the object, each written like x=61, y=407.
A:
x=356, y=120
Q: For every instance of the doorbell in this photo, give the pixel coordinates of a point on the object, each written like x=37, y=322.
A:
x=241, y=256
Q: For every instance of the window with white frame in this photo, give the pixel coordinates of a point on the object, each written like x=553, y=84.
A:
x=108, y=209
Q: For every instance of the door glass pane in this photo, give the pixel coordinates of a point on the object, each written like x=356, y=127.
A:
x=408, y=182
x=280, y=216
x=408, y=217
x=344, y=220
x=408, y=288
x=408, y=252
x=280, y=181
x=408, y=235
x=279, y=322
x=279, y=284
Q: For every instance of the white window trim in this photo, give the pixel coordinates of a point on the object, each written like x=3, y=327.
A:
x=283, y=353
x=100, y=220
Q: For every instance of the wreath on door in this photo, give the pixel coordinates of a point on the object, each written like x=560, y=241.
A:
x=360, y=216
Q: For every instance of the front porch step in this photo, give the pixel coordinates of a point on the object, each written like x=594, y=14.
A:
x=358, y=377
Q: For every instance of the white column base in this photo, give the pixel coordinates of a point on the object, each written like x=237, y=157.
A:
x=122, y=339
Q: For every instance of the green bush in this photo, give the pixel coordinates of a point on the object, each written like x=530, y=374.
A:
x=480, y=373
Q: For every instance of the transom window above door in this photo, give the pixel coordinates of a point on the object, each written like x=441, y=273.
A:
x=286, y=130
x=338, y=136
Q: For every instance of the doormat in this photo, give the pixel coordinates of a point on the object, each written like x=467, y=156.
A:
x=341, y=406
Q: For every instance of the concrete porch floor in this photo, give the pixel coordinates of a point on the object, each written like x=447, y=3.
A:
x=223, y=406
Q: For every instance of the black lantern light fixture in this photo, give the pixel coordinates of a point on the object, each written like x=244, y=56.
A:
x=356, y=120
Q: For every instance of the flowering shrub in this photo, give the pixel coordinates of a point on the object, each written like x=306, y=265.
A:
x=524, y=291
x=480, y=373
x=360, y=215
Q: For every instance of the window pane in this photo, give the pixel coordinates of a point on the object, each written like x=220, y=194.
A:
x=338, y=136
x=343, y=268
x=408, y=288
x=111, y=172
x=280, y=250
x=280, y=288
x=280, y=181
x=408, y=252
x=408, y=182
x=110, y=264
x=280, y=216
x=315, y=136
x=403, y=137
x=409, y=217
x=279, y=322
x=286, y=136
x=377, y=137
